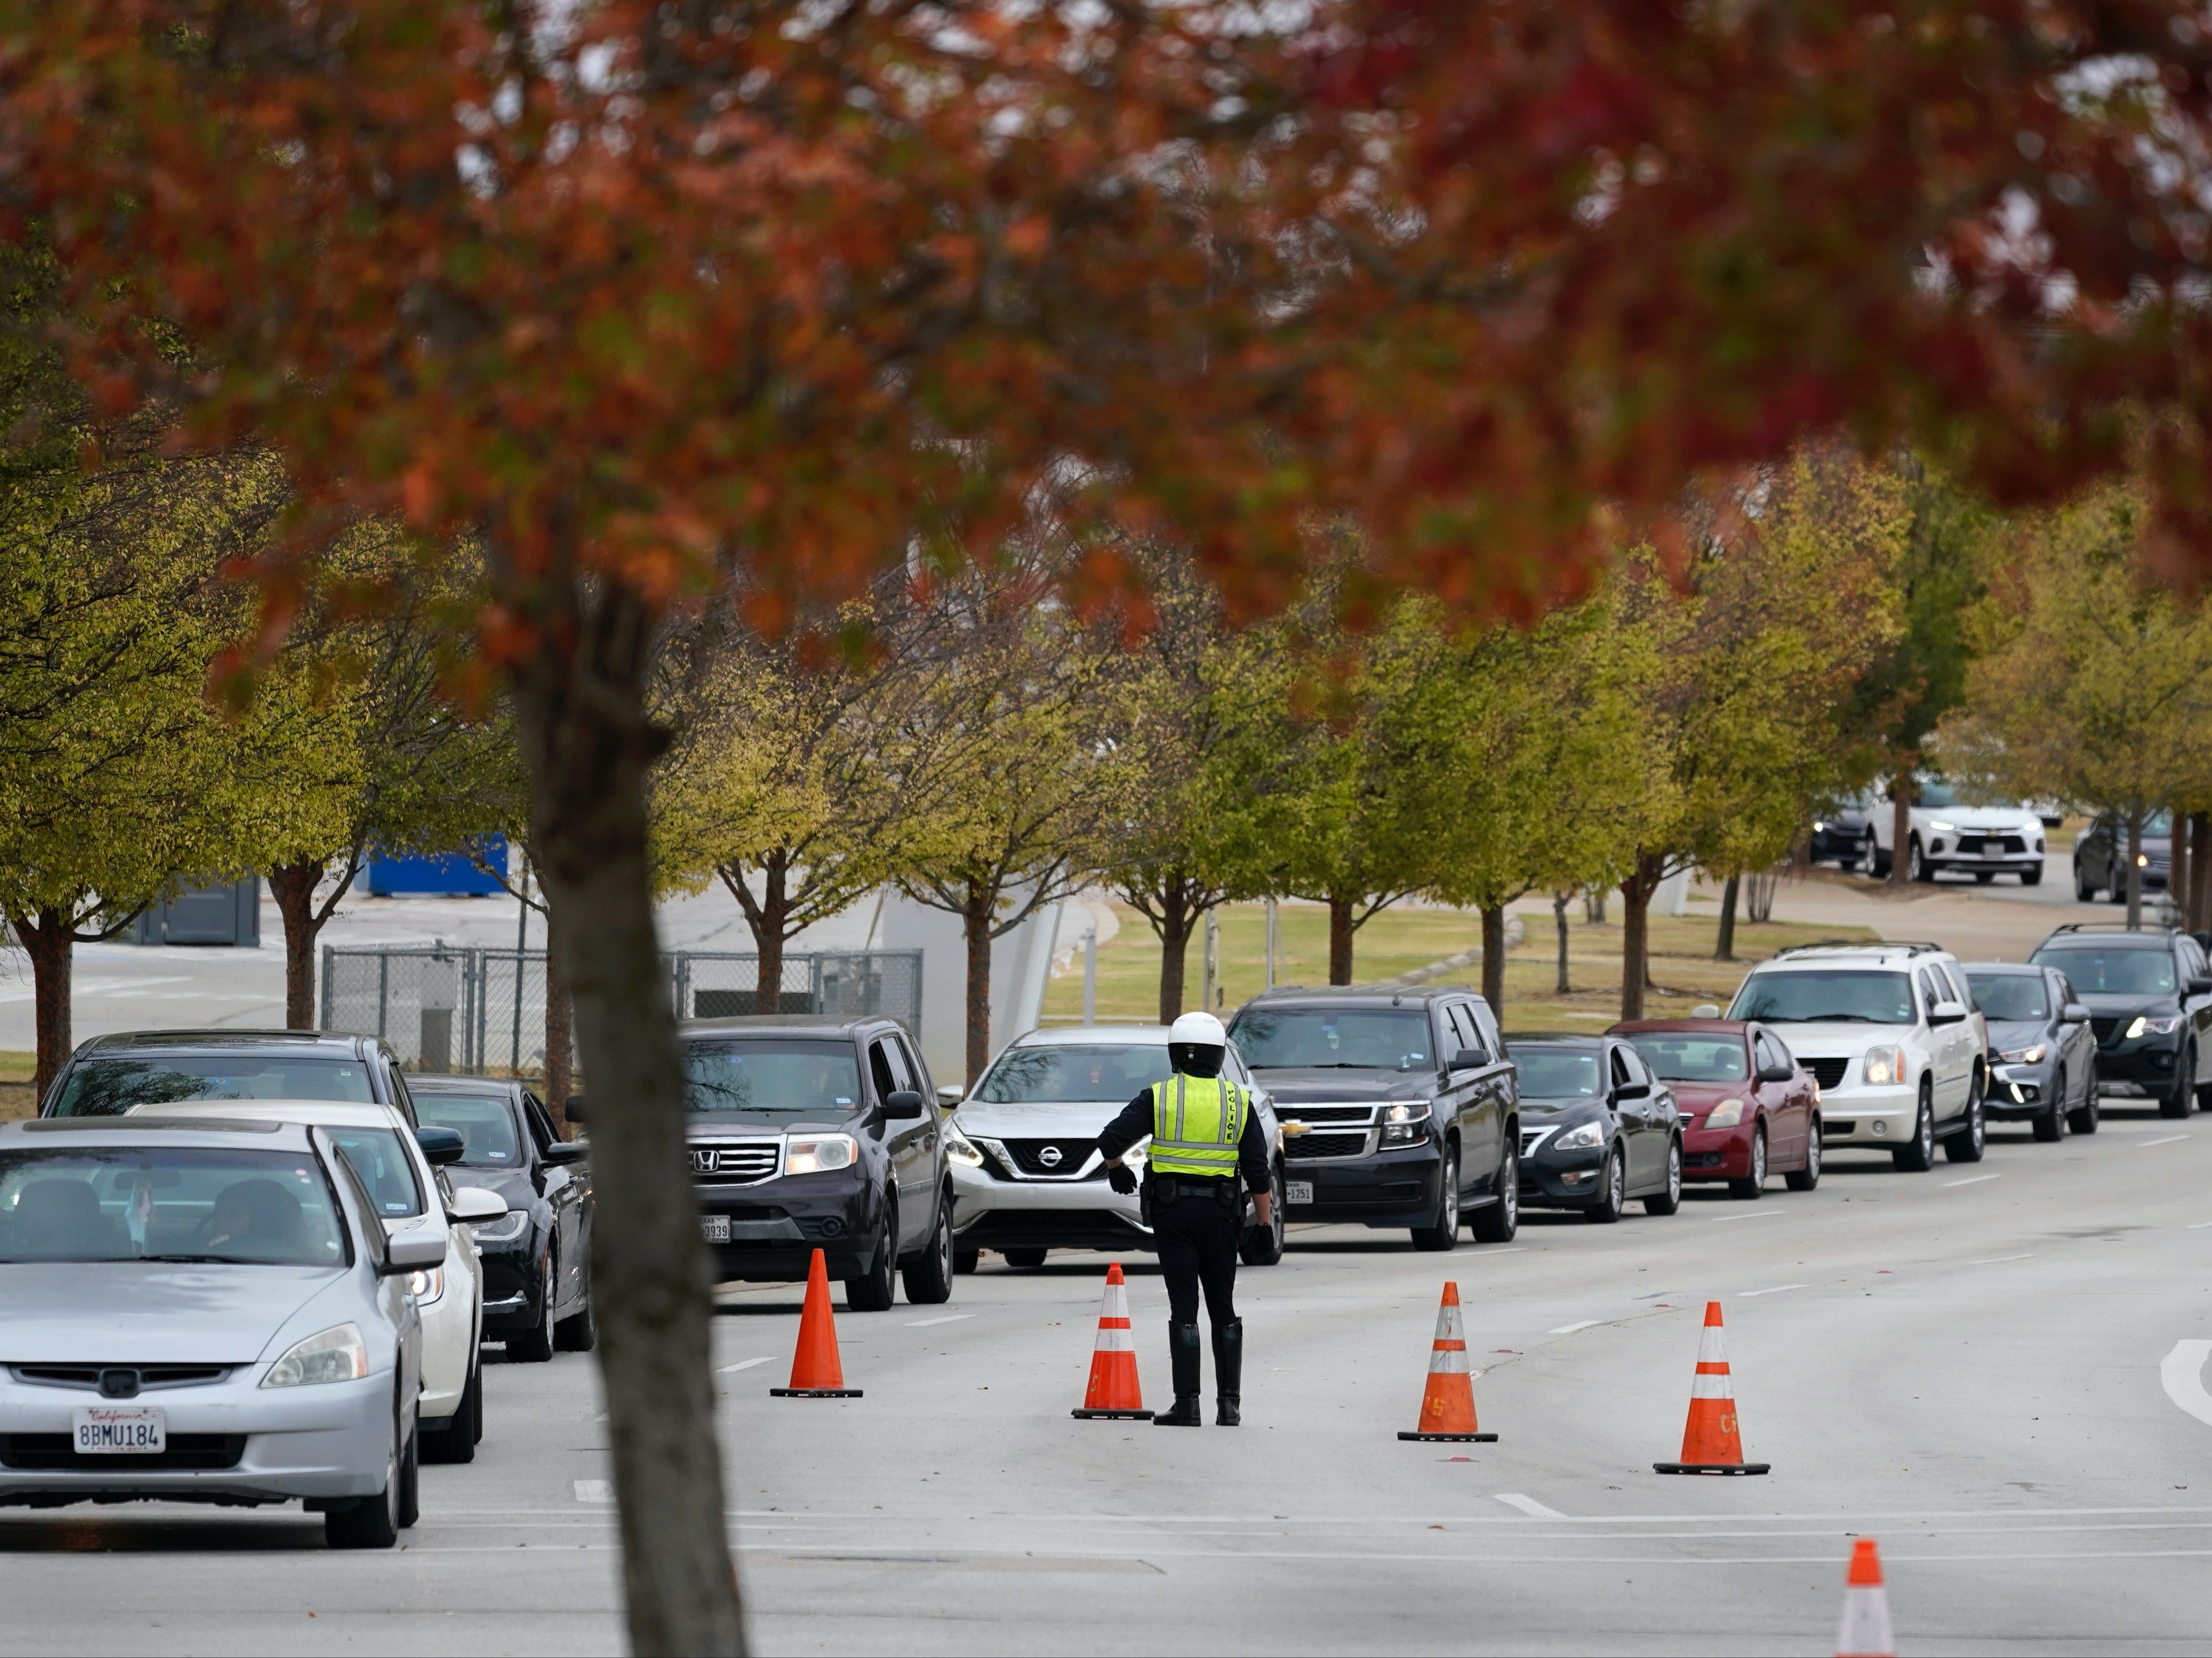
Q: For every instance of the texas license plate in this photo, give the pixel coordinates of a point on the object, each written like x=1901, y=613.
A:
x=716, y=1229
x=120, y=1431
x=1298, y=1191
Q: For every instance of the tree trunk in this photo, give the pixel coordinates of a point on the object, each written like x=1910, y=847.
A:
x=1339, y=939
x=2181, y=853
x=293, y=886
x=2136, y=816
x=1494, y=959
x=1635, y=932
x=1559, y=924
x=1725, y=950
x=560, y=1034
x=2200, y=874
x=1177, y=923
x=1901, y=826
x=975, y=923
x=50, y=941
x=580, y=698
x=769, y=917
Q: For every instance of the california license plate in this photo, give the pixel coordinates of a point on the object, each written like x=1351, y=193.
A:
x=716, y=1229
x=1298, y=1191
x=120, y=1431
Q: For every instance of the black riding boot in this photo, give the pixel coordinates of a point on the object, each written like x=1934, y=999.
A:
x=1183, y=1356
x=1228, y=1373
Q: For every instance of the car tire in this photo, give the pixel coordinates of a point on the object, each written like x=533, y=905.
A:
x=1916, y=868
x=2083, y=1117
x=1752, y=1185
x=1443, y=1232
x=1496, y=1223
x=2049, y=1126
x=1263, y=1245
x=2032, y=876
x=1805, y=1179
x=2176, y=1103
x=1917, y=1157
x=456, y=1441
x=578, y=1332
x=1612, y=1192
x=874, y=1290
x=1966, y=1145
x=966, y=1261
x=535, y=1344
x=1869, y=861
x=928, y=1279
x=1668, y=1201
x=374, y=1522
x=1028, y=1260
x=2083, y=892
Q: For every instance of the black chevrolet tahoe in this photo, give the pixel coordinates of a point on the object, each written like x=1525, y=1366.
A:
x=1398, y=1108
x=814, y=1133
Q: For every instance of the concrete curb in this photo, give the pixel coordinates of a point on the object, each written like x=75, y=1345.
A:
x=1515, y=933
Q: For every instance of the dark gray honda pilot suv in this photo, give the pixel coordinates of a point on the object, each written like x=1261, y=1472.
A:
x=814, y=1133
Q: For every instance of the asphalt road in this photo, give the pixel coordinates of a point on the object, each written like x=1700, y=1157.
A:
x=1984, y=1367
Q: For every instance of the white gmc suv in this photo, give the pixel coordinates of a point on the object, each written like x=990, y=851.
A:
x=1891, y=1033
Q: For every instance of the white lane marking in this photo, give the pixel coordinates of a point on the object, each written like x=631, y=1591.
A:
x=743, y=1364
x=950, y=1318
x=1529, y=1506
x=2197, y=1226
x=1569, y=1329
x=1972, y=1179
x=1992, y=1260
x=1754, y=1214
x=595, y=1491
x=2168, y=1140
x=2182, y=1374
x=1746, y=1295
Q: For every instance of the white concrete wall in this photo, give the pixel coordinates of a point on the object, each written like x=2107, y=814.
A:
x=1020, y=965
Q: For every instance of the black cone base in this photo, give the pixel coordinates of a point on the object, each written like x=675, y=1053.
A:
x=1113, y=1416
x=1711, y=1467
x=814, y=1392
x=1452, y=1439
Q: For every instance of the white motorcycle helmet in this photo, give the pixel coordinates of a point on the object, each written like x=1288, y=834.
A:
x=1196, y=1043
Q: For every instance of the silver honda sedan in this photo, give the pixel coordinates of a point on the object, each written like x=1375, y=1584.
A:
x=205, y=1312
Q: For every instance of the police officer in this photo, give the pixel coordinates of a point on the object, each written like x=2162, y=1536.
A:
x=1203, y=1135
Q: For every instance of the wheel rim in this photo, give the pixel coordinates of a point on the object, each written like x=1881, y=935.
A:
x=1451, y=1196
x=1674, y=1173
x=545, y=1298
x=1275, y=1215
x=1813, y=1153
x=1925, y=1139
x=1912, y=859
x=1759, y=1159
x=1510, y=1198
x=1616, y=1186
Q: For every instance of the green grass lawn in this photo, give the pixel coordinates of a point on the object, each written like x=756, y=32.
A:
x=16, y=1071
x=1398, y=940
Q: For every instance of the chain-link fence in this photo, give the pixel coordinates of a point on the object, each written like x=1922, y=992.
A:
x=453, y=1007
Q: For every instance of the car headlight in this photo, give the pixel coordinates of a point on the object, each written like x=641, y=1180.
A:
x=1588, y=1137
x=1943, y=828
x=2142, y=860
x=1727, y=1114
x=425, y=1286
x=817, y=1154
x=337, y=1354
x=1882, y=1066
x=1405, y=1122
x=2024, y=1055
x=508, y=1228
x=2145, y=1025
x=961, y=1150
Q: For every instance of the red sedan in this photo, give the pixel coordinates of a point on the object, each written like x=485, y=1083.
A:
x=1748, y=1107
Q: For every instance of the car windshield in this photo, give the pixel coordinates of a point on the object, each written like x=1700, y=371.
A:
x=485, y=1124
x=1050, y=1073
x=385, y=1170
x=2097, y=970
x=171, y=1203
x=1675, y=1057
x=1933, y=793
x=109, y=1087
x=2010, y=995
x=1361, y=1039
x=1557, y=1073
x=762, y=1075
x=1849, y=995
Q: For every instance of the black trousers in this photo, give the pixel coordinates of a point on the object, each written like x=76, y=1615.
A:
x=1197, y=1240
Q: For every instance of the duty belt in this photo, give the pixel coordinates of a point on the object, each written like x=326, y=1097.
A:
x=1168, y=1188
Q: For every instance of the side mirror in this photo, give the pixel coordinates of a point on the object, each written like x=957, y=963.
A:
x=1947, y=1013
x=2074, y=1013
x=1706, y=1011
x=2200, y=986
x=1633, y=1092
x=475, y=1204
x=441, y=1146
x=904, y=1105
x=574, y=1110
x=950, y=1095
x=417, y=1249
x=1778, y=1073
x=563, y=1153
x=1469, y=1059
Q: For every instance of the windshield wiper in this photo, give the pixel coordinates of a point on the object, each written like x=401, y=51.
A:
x=225, y=1261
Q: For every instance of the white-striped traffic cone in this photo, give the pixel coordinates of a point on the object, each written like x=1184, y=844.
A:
x=1865, y=1632
x=1114, y=1392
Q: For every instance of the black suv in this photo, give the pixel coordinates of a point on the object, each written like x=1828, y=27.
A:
x=108, y=1075
x=814, y=1133
x=2149, y=997
x=1397, y=1106
x=2100, y=857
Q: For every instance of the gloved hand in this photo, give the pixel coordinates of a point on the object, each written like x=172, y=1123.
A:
x=1123, y=1180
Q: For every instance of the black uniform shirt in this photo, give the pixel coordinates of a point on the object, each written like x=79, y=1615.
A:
x=1136, y=1122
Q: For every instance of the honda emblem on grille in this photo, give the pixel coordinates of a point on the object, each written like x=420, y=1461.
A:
x=702, y=1162
x=1049, y=1157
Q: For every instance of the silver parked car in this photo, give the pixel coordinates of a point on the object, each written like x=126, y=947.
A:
x=206, y=1312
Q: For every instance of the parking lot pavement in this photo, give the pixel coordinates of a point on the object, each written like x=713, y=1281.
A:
x=1987, y=1367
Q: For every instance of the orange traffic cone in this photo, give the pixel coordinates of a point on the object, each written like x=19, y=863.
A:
x=1865, y=1632
x=815, y=1371
x=1710, y=1444
x=1114, y=1391
x=1448, y=1403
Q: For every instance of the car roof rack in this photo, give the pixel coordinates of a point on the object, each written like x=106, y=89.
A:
x=1911, y=947
x=2112, y=926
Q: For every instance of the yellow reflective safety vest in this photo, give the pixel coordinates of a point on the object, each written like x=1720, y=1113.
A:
x=1197, y=1123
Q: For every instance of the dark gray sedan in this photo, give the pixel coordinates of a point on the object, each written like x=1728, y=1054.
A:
x=2043, y=1053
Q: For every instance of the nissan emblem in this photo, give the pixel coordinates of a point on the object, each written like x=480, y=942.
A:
x=1049, y=1157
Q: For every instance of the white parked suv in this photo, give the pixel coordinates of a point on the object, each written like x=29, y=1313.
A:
x=1890, y=1034
x=1946, y=833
